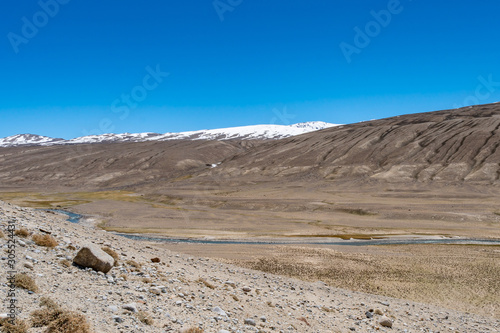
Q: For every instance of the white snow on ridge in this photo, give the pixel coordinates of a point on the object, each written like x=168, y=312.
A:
x=255, y=132
x=27, y=139
x=124, y=137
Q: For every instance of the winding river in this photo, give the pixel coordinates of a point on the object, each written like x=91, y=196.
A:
x=75, y=218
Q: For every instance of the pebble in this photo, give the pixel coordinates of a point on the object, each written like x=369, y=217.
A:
x=386, y=322
x=132, y=307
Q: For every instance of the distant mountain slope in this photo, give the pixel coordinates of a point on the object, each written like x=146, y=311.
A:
x=452, y=145
x=256, y=132
x=27, y=139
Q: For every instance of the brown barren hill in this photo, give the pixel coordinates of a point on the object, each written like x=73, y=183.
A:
x=451, y=145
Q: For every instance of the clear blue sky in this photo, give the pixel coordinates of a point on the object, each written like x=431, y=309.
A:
x=67, y=71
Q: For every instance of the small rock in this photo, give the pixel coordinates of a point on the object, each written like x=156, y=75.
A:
x=246, y=289
x=117, y=319
x=20, y=242
x=250, y=322
x=386, y=322
x=378, y=312
x=369, y=314
x=155, y=259
x=263, y=319
x=132, y=307
x=3, y=315
x=230, y=283
x=113, y=308
x=219, y=311
x=28, y=265
x=155, y=291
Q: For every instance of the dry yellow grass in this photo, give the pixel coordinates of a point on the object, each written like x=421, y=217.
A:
x=58, y=320
x=44, y=240
x=19, y=326
x=145, y=318
x=454, y=276
x=23, y=232
x=65, y=263
x=23, y=280
x=134, y=264
x=112, y=253
x=194, y=330
x=206, y=283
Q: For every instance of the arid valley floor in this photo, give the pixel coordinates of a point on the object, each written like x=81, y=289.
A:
x=432, y=176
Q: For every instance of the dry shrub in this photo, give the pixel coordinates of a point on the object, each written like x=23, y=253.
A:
x=194, y=330
x=48, y=302
x=57, y=319
x=304, y=320
x=44, y=240
x=65, y=263
x=134, y=264
x=23, y=232
x=145, y=318
x=23, y=280
x=444, y=275
x=69, y=322
x=19, y=326
x=45, y=316
x=112, y=253
x=206, y=283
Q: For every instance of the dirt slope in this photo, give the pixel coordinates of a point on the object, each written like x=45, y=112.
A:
x=452, y=145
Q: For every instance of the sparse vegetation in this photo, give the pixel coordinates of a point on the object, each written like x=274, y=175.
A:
x=355, y=211
x=302, y=319
x=194, y=330
x=112, y=253
x=19, y=326
x=145, y=318
x=2, y=235
x=206, y=283
x=436, y=274
x=134, y=264
x=23, y=232
x=44, y=240
x=69, y=322
x=65, y=263
x=23, y=280
x=57, y=319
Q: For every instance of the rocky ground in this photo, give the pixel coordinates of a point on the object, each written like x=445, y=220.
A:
x=181, y=293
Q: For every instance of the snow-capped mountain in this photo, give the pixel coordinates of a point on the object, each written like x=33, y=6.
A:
x=255, y=132
x=28, y=139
